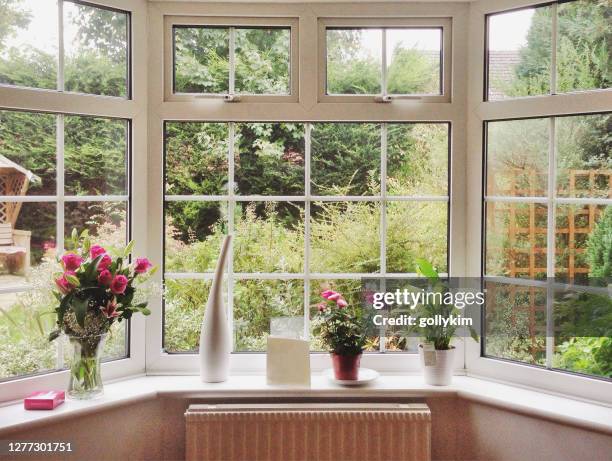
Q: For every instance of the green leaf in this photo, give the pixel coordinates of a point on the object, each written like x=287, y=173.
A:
x=128, y=249
x=74, y=281
x=79, y=307
x=54, y=335
x=92, y=270
x=425, y=268
x=74, y=235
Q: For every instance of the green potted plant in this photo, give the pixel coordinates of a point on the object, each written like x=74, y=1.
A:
x=342, y=329
x=437, y=354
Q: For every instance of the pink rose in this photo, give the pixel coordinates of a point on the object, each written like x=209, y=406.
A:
x=341, y=303
x=327, y=293
x=105, y=278
x=321, y=307
x=110, y=310
x=334, y=297
x=119, y=284
x=64, y=285
x=71, y=261
x=142, y=265
x=96, y=251
x=104, y=263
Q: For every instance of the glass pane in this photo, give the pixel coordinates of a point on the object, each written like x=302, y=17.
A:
x=201, y=60
x=584, y=156
x=95, y=155
x=194, y=232
x=417, y=159
x=28, y=43
x=27, y=143
x=354, y=61
x=116, y=343
x=25, y=324
x=257, y=303
x=197, y=156
x=345, y=159
x=519, y=53
x=413, y=61
x=583, y=45
x=354, y=293
x=345, y=237
x=96, y=50
x=269, y=159
x=416, y=230
x=263, y=59
x=583, y=244
x=515, y=323
x=582, y=333
x=517, y=157
x=105, y=221
x=516, y=239
x=269, y=237
x=29, y=254
x=184, y=304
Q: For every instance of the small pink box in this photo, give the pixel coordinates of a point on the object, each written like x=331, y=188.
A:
x=44, y=400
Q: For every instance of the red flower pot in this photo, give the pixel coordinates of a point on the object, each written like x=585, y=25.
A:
x=346, y=367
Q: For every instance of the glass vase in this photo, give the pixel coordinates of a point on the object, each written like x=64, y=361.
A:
x=85, y=379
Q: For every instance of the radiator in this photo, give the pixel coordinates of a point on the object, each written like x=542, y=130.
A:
x=308, y=432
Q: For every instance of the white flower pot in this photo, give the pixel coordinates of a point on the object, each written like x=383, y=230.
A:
x=440, y=373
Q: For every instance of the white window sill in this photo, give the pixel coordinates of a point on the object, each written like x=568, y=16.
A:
x=590, y=416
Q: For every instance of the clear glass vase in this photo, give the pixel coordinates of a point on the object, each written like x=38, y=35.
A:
x=85, y=379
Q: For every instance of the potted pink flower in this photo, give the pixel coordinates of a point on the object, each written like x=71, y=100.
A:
x=342, y=330
x=94, y=289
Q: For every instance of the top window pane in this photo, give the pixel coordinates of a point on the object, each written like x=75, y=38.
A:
x=202, y=56
x=584, y=32
x=28, y=43
x=519, y=53
x=95, y=44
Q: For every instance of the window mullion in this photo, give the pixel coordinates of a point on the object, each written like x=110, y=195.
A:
x=550, y=243
x=59, y=221
x=60, y=45
x=553, y=51
x=383, y=60
x=307, y=155
x=383, y=219
x=232, y=60
x=231, y=203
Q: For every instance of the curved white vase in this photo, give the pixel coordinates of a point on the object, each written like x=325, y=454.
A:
x=215, y=338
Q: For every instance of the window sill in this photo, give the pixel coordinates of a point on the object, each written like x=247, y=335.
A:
x=590, y=416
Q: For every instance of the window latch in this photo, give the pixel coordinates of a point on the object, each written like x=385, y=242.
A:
x=231, y=98
x=384, y=98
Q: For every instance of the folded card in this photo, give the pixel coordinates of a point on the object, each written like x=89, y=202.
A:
x=288, y=362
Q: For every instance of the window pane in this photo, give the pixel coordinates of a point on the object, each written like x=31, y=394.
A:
x=416, y=230
x=257, y=303
x=105, y=221
x=417, y=159
x=269, y=237
x=354, y=58
x=96, y=50
x=517, y=157
x=345, y=159
x=193, y=236
x=95, y=155
x=413, y=61
x=519, y=53
x=582, y=333
x=263, y=59
x=584, y=156
x=201, y=60
x=197, y=156
x=184, y=304
x=515, y=323
x=354, y=293
x=28, y=44
x=583, y=242
x=516, y=239
x=27, y=141
x=583, y=45
x=29, y=254
x=345, y=237
x=269, y=159
x=24, y=329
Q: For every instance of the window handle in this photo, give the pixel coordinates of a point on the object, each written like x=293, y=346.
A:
x=384, y=98
x=231, y=98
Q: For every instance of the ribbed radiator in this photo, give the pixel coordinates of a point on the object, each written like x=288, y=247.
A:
x=308, y=432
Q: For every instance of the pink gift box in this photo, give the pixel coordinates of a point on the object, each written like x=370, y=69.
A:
x=44, y=400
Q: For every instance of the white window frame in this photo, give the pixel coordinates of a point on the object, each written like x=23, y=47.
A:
x=480, y=111
x=307, y=108
x=134, y=110
x=231, y=22
x=444, y=24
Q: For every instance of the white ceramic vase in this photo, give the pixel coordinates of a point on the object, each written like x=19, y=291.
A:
x=440, y=374
x=215, y=338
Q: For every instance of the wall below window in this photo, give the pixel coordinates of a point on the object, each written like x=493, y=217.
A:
x=462, y=430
